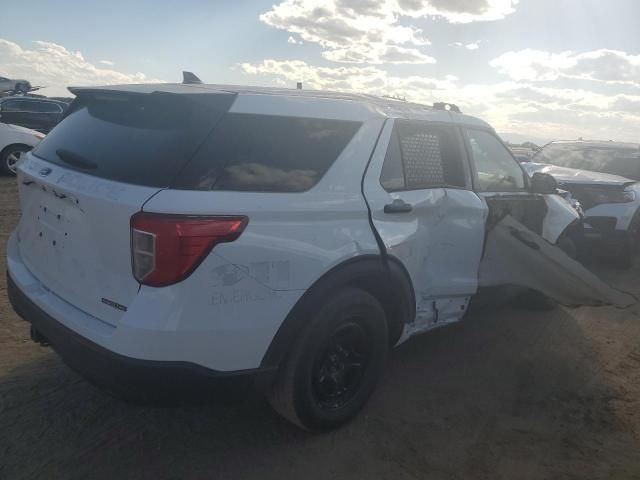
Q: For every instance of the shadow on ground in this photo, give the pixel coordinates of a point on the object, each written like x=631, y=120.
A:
x=505, y=394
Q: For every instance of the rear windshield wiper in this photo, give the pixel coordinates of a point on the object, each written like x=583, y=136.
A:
x=75, y=160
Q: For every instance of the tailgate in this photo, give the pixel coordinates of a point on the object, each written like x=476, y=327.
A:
x=74, y=236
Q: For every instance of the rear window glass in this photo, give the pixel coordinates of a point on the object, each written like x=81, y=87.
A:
x=265, y=153
x=614, y=160
x=139, y=139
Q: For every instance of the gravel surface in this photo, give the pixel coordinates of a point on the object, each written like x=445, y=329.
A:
x=506, y=394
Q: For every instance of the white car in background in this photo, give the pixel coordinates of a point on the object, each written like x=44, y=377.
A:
x=15, y=141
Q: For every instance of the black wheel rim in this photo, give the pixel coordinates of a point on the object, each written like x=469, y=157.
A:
x=340, y=366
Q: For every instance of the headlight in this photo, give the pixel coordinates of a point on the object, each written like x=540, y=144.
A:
x=624, y=196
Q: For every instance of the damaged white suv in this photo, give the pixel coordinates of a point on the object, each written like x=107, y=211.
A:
x=179, y=237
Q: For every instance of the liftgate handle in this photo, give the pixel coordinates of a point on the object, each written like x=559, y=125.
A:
x=398, y=206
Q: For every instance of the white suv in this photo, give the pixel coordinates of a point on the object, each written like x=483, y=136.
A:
x=176, y=237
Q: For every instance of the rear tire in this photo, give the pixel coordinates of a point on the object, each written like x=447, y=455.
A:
x=10, y=157
x=335, y=363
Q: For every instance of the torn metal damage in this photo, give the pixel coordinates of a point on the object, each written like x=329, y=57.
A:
x=515, y=255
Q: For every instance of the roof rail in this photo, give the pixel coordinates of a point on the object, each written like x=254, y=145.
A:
x=448, y=107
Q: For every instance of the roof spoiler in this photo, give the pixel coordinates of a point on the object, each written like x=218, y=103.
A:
x=190, y=78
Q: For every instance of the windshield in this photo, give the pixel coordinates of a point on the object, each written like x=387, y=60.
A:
x=615, y=160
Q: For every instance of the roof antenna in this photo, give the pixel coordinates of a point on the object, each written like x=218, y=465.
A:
x=190, y=78
x=447, y=107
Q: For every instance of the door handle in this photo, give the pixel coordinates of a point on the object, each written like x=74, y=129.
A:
x=398, y=206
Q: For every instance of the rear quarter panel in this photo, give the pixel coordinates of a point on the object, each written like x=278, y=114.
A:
x=245, y=289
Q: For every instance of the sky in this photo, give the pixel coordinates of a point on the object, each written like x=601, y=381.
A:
x=535, y=69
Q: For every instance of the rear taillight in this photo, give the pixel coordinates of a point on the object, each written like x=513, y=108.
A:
x=166, y=249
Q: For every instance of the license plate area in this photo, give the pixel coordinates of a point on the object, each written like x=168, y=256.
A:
x=53, y=227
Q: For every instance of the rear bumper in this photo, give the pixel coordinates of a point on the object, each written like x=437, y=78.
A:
x=147, y=381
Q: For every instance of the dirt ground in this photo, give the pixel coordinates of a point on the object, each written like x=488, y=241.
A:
x=506, y=394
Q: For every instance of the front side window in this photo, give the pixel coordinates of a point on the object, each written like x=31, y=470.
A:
x=12, y=106
x=421, y=156
x=497, y=170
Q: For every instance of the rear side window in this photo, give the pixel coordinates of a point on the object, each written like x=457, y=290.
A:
x=44, y=107
x=264, y=153
x=143, y=139
x=422, y=156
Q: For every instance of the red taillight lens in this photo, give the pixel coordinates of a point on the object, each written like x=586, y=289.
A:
x=166, y=249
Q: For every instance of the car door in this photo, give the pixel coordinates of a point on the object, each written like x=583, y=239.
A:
x=43, y=116
x=500, y=180
x=516, y=250
x=418, y=188
x=54, y=113
x=15, y=112
x=34, y=115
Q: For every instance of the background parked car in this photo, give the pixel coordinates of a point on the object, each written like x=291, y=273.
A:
x=37, y=113
x=591, y=172
x=615, y=158
x=524, y=152
x=14, y=142
x=19, y=86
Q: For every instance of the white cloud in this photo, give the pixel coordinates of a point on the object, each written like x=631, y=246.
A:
x=608, y=66
x=459, y=11
x=293, y=41
x=365, y=79
x=107, y=62
x=371, y=31
x=53, y=66
x=469, y=46
x=509, y=106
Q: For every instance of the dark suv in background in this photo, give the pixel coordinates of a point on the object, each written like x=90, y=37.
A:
x=36, y=113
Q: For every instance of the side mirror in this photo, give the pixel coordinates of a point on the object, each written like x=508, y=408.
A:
x=543, y=183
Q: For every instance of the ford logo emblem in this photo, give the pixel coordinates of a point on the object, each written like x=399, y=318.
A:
x=44, y=171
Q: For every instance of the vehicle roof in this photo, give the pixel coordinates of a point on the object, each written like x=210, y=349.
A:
x=597, y=143
x=382, y=106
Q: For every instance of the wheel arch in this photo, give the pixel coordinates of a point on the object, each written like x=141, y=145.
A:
x=16, y=144
x=384, y=278
x=4, y=168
